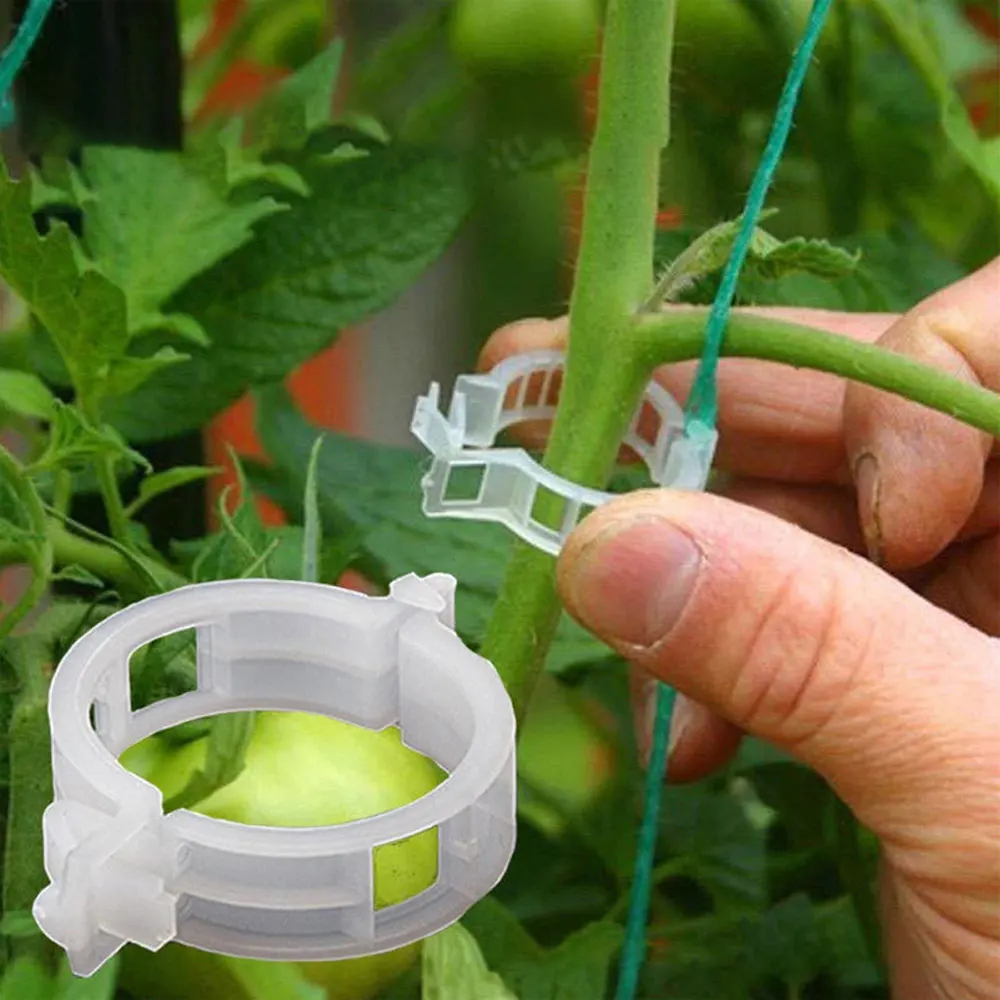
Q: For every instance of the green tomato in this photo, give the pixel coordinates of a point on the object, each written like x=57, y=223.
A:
x=301, y=770
x=501, y=37
x=722, y=53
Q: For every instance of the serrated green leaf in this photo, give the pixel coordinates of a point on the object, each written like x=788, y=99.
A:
x=370, y=228
x=154, y=221
x=300, y=106
x=769, y=258
x=377, y=489
x=163, y=482
x=578, y=969
x=454, y=969
x=82, y=309
x=711, y=838
x=25, y=394
x=705, y=255
x=235, y=164
x=74, y=443
x=128, y=373
x=772, y=258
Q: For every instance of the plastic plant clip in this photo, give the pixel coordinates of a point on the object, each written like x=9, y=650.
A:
x=121, y=871
x=509, y=479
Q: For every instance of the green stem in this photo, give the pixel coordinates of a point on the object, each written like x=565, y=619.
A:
x=677, y=334
x=107, y=483
x=602, y=381
x=62, y=493
x=132, y=572
x=113, y=506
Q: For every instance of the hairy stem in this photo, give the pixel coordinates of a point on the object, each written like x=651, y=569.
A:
x=603, y=379
x=678, y=334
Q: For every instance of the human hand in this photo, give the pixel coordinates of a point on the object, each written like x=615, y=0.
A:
x=758, y=607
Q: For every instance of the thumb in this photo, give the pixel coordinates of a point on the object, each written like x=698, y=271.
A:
x=800, y=643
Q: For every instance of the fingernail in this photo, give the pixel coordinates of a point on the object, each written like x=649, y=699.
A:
x=680, y=722
x=868, y=482
x=634, y=579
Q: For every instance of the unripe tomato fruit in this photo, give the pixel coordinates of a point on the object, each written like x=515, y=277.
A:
x=721, y=51
x=499, y=37
x=301, y=770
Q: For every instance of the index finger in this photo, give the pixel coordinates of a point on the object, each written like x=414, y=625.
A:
x=775, y=422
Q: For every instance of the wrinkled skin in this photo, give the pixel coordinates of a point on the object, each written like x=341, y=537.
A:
x=760, y=606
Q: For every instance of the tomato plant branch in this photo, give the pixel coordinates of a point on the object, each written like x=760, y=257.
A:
x=603, y=379
x=132, y=571
x=677, y=334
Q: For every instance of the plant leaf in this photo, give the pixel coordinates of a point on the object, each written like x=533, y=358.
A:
x=454, y=969
x=769, y=258
x=81, y=308
x=370, y=228
x=163, y=482
x=75, y=444
x=713, y=841
x=128, y=373
x=77, y=574
x=25, y=394
x=228, y=554
x=301, y=106
x=313, y=529
x=154, y=220
x=228, y=740
x=577, y=969
x=377, y=489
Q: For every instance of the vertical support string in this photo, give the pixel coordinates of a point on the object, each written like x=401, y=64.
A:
x=13, y=57
x=702, y=409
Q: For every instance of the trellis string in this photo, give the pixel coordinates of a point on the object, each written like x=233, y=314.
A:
x=14, y=55
x=702, y=408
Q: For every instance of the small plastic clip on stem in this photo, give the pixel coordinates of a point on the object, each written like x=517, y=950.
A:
x=677, y=455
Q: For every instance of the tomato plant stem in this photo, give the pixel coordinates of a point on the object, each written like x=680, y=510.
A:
x=603, y=379
x=677, y=334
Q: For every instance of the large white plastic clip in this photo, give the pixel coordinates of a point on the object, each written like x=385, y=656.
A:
x=121, y=871
x=508, y=480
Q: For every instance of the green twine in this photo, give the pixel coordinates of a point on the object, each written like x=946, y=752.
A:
x=16, y=52
x=702, y=404
x=702, y=409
